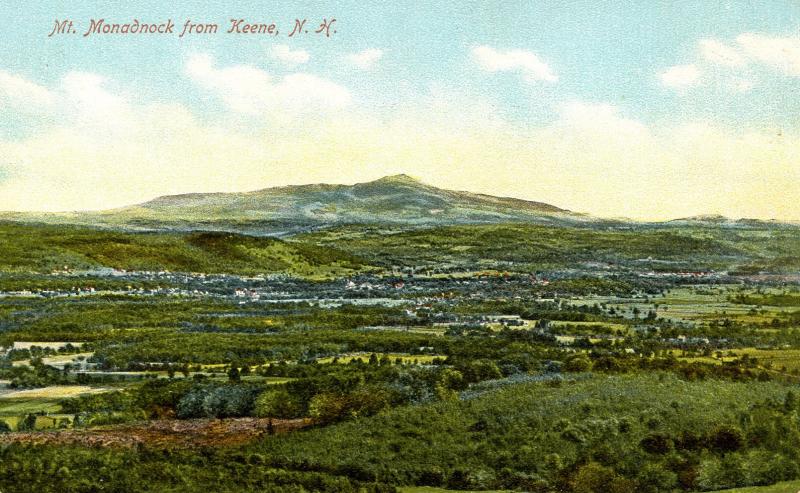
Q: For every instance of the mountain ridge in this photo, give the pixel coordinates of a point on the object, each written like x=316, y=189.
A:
x=397, y=180
x=395, y=200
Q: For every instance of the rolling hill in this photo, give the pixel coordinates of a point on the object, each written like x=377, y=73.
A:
x=30, y=248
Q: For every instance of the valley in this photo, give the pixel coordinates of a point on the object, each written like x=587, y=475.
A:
x=517, y=348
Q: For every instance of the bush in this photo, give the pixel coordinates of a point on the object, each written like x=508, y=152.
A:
x=216, y=402
x=28, y=423
x=653, y=478
x=726, y=439
x=278, y=404
x=327, y=407
x=656, y=443
x=578, y=363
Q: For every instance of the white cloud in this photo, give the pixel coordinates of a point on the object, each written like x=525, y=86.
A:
x=780, y=53
x=85, y=95
x=80, y=98
x=723, y=65
x=592, y=157
x=23, y=92
x=719, y=53
x=365, y=59
x=680, y=76
x=599, y=117
x=285, y=54
x=533, y=68
x=247, y=89
x=297, y=89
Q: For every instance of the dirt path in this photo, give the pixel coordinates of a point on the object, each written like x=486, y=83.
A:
x=163, y=433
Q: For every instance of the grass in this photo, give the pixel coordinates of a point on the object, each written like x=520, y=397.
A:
x=431, y=489
x=773, y=359
x=53, y=392
x=407, y=358
x=692, y=304
x=784, y=487
x=15, y=405
x=776, y=359
x=44, y=344
x=58, y=360
x=42, y=422
x=18, y=407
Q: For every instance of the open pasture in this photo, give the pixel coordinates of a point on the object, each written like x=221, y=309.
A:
x=53, y=392
x=782, y=487
x=406, y=358
x=44, y=345
x=58, y=361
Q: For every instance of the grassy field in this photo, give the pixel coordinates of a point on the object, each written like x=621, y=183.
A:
x=58, y=360
x=784, y=487
x=51, y=344
x=693, y=304
x=775, y=359
x=772, y=359
x=16, y=405
x=407, y=358
x=54, y=392
x=21, y=406
x=430, y=489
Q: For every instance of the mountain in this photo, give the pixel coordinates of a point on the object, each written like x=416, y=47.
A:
x=392, y=200
x=397, y=201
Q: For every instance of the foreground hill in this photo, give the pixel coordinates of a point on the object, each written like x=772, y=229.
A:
x=584, y=434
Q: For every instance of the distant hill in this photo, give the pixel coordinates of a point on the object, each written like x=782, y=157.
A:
x=341, y=251
x=31, y=248
x=717, y=220
x=393, y=200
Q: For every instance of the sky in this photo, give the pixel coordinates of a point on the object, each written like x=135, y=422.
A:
x=645, y=109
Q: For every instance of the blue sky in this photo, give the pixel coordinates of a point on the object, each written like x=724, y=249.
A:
x=533, y=72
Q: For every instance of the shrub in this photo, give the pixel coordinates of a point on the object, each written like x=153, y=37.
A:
x=278, y=404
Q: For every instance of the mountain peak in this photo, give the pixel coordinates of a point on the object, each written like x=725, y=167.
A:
x=401, y=178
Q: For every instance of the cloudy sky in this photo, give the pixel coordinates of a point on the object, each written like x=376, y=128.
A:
x=644, y=109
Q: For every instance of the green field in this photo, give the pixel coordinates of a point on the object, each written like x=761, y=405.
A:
x=16, y=405
x=430, y=489
x=783, y=487
x=405, y=358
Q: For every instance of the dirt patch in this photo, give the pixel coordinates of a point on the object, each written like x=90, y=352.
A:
x=164, y=433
